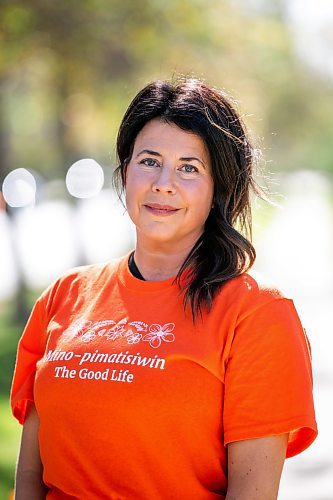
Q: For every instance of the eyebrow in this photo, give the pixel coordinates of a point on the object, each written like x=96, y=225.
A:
x=183, y=158
x=191, y=158
x=149, y=152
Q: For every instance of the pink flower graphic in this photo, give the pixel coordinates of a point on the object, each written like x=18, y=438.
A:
x=78, y=328
x=88, y=336
x=133, y=337
x=157, y=333
x=115, y=332
x=102, y=332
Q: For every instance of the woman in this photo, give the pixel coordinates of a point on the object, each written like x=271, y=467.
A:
x=171, y=373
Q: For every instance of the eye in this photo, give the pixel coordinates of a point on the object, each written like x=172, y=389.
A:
x=149, y=162
x=189, y=169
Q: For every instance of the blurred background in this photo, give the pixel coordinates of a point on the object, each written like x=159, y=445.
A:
x=68, y=70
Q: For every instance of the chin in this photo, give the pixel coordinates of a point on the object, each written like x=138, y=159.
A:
x=162, y=238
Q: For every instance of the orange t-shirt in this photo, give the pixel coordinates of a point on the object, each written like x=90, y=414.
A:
x=136, y=402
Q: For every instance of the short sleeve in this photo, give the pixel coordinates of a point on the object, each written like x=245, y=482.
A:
x=30, y=350
x=268, y=381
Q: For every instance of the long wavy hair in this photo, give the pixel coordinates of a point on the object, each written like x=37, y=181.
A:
x=224, y=250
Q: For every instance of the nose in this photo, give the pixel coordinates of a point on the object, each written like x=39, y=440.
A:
x=164, y=181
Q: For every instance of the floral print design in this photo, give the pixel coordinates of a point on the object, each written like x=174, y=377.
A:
x=88, y=336
x=115, y=332
x=78, y=328
x=133, y=331
x=133, y=337
x=157, y=333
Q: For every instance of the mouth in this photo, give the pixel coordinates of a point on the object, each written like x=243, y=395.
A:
x=158, y=209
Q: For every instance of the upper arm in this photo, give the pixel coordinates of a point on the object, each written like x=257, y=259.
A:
x=255, y=467
x=29, y=456
x=29, y=474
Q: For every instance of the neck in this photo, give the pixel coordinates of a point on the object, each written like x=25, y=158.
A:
x=159, y=264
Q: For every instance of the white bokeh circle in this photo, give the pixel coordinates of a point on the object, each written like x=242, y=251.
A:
x=85, y=178
x=19, y=188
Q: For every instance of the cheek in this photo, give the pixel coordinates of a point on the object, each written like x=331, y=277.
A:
x=130, y=186
x=131, y=205
x=201, y=206
x=134, y=193
x=130, y=199
x=202, y=196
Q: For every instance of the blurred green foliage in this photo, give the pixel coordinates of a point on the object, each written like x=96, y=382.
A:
x=9, y=428
x=68, y=70
x=10, y=431
x=9, y=436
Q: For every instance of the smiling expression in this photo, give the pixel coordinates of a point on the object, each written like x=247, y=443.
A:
x=169, y=186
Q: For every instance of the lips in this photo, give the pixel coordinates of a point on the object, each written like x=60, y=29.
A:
x=157, y=206
x=159, y=209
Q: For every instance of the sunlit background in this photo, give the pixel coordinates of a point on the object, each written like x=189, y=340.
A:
x=67, y=73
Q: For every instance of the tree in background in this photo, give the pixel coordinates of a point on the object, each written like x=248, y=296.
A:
x=67, y=70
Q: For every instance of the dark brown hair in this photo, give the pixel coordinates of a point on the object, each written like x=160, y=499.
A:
x=224, y=250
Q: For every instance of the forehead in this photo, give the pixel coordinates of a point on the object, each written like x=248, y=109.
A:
x=162, y=136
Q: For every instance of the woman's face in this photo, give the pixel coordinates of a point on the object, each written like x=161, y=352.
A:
x=169, y=186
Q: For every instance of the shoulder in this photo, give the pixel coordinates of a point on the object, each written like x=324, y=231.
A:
x=256, y=286
x=249, y=292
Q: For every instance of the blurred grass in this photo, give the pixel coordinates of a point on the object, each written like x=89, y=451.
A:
x=10, y=430
x=11, y=327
